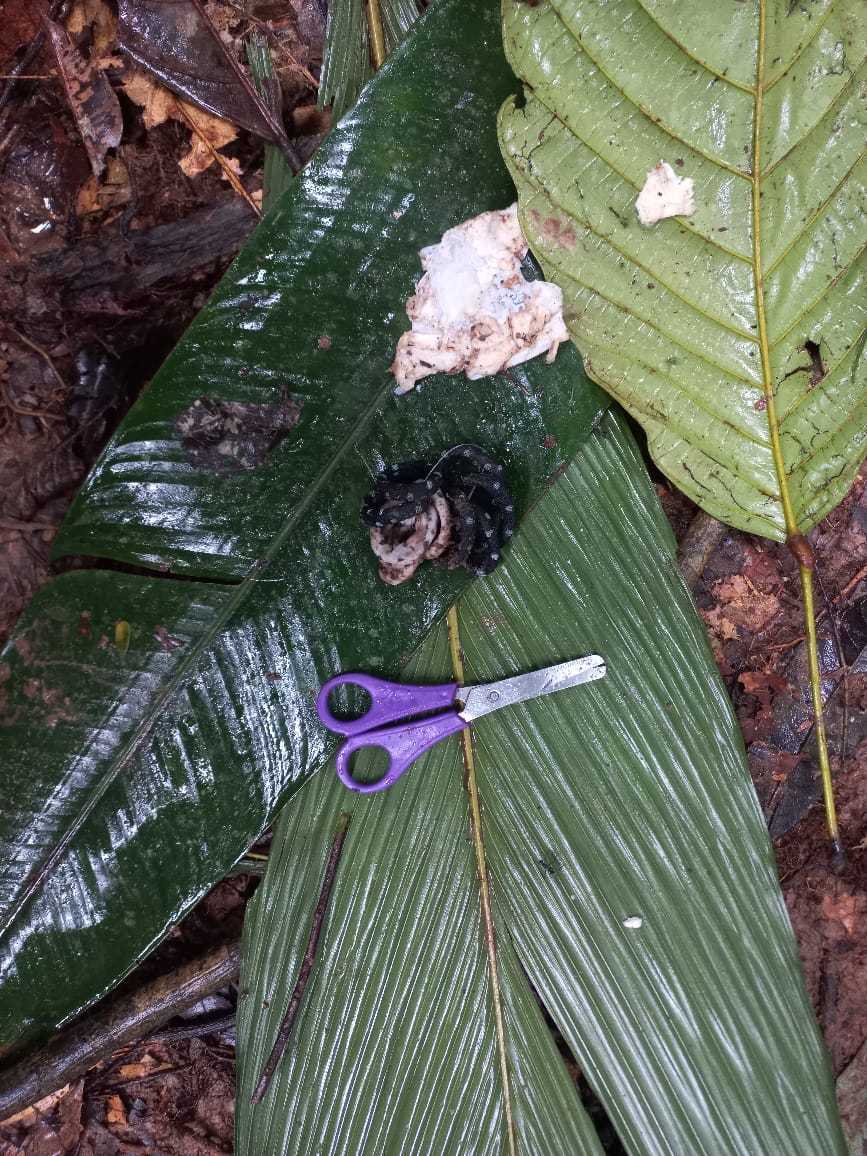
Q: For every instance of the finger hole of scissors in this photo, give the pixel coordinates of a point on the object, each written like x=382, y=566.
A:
x=370, y=767
x=349, y=702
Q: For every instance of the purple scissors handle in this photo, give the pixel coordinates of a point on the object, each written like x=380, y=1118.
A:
x=390, y=701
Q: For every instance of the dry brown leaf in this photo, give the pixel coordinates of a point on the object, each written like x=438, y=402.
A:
x=159, y=105
x=843, y=909
x=743, y=604
x=115, y=1112
x=52, y=1124
x=91, y=98
x=97, y=18
x=109, y=192
x=718, y=624
x=145, y=1066
x=209, y=134
x=761, y=682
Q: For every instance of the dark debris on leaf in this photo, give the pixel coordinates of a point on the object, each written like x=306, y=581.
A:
x=230, y=436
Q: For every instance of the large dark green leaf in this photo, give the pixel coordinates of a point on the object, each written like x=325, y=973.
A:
x=132, y=781
x=625, y=798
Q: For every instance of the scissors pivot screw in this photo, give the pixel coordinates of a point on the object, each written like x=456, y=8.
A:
x=493, y=696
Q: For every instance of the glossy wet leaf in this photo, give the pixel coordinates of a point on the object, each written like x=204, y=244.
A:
x=633, y=880
x=735, y=336
x=132, y=781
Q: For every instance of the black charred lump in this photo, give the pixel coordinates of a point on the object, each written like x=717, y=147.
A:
x=456, y=511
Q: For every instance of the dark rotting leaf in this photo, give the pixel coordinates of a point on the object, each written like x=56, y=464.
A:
x=230, y=436
x=176, y=42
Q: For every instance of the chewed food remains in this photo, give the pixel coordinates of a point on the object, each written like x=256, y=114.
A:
x=473, y=310
x=456, y=511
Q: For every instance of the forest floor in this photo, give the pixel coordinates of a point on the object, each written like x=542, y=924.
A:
x=99, y=277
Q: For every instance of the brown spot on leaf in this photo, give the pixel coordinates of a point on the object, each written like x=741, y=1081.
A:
x=555, y=231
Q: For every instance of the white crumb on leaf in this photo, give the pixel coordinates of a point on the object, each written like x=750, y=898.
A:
x=665, y=194
x=633, y=922
x=473, y=310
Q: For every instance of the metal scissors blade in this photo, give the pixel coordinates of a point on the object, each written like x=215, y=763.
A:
x=481, y=700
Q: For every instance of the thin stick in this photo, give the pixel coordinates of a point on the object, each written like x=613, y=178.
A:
x=306, y=963
x=42, y=353
x=484, y=886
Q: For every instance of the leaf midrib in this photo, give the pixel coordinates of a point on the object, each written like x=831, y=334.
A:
x=785, y=498
x=163, y=696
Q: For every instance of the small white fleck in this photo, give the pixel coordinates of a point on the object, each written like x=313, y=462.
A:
x=665, y=194
x=633, y=921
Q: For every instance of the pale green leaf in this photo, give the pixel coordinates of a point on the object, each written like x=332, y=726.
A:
x=625, y=798
x=735, y=336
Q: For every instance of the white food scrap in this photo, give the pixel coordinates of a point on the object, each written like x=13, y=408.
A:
x=473, y=310
x=633, y=922
x=665, y=194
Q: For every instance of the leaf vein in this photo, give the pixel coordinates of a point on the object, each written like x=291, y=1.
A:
x=677, y=388
x=666, y=128
x=820, y=24
x=748, y=88
x=820, y=297
x=651, y=272
x=843, y=93
x=701, y=356
x=808, y=223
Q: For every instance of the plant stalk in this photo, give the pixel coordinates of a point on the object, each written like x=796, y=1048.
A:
x=797, y=542
x=472, y=786
x=806, y=574
x=377, y=36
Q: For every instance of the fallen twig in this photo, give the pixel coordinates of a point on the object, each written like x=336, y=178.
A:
x=307, y=962
x=111, y=1025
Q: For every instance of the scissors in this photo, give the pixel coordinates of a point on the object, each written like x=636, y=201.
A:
x=394, y=702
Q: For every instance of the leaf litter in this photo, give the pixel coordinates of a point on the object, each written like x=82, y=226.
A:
x=230, y=436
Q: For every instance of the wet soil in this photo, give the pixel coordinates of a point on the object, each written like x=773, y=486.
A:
x=98, y=280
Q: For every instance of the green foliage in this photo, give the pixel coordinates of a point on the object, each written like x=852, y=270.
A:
x=136, y=777
x=625, y=798
x=347, y=65
x=131, y=782
x=735, y=336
